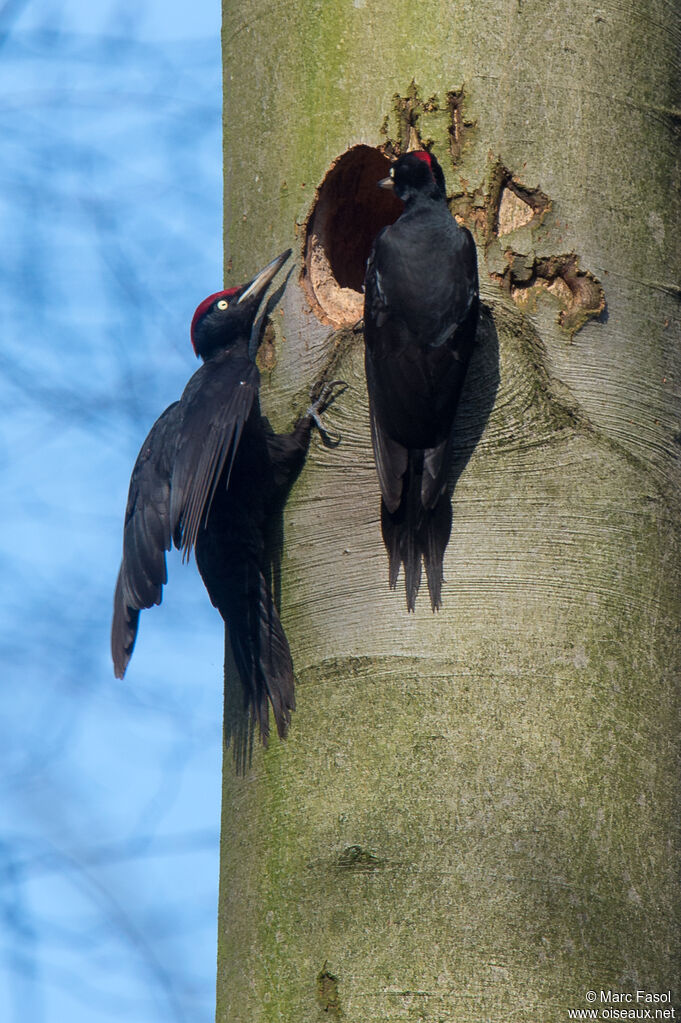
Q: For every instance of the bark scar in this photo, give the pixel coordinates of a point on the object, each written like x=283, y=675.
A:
x=509, y=219
x=327, y=992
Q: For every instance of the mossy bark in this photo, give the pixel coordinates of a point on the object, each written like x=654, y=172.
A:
x=476, y=814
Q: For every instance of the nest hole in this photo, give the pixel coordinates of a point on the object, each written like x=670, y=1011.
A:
x=348, y=212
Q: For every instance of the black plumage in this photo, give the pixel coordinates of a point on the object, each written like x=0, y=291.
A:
x=213, y=477
x=420, y=318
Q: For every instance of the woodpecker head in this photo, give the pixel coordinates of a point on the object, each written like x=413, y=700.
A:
x=416, y=174
x=227, y=316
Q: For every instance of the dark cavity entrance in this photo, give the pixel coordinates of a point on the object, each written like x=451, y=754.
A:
x=349, y=211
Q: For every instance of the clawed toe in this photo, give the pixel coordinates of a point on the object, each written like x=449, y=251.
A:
x=323, y=395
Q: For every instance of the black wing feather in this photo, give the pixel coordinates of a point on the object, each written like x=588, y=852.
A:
x=391, y=464
x=216, y=405
x=146, y=536
x=173, y=484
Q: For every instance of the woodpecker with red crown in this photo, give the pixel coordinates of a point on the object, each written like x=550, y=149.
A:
x=420, y=317
x=212, y=477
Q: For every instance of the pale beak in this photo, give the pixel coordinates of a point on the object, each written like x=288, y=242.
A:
x=259, y=283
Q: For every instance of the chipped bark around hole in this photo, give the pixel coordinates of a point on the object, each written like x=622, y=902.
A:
x=513, y=204
x=415, y=122
x=503, y=212
x=513, y=212
x=459, y=126
x=505, y=215
x=578, y=291
x=348, y=210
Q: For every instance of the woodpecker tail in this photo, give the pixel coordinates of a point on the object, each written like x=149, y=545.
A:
x=434, y=537
x=239, y=721
x=414, y=532
x=263, y=663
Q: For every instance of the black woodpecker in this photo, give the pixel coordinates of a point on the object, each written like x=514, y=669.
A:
x=420, y=316
x=212, y=477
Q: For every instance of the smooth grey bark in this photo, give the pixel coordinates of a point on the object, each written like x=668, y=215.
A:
x=476, y=814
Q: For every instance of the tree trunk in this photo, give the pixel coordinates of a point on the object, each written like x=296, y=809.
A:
x=476, y=814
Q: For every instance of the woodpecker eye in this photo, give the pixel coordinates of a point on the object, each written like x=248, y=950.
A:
x=223, y=304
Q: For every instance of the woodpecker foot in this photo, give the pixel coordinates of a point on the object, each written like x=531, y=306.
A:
x=322, y=396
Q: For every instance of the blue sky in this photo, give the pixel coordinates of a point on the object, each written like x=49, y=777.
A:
x=110, y=204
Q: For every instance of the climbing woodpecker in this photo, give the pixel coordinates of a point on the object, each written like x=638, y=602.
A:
x=420, y=317
x=212, y=477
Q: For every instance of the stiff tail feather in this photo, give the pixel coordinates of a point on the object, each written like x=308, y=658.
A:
x=412, y=534
x=264, y=667
x=239, y=720
x=433, y=539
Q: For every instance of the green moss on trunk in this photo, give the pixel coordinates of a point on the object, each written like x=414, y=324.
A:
x=476, y=815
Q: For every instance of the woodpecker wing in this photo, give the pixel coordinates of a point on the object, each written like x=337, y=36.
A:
x=391, y=464
x=216, y=405
x=173, y=483
x=146, y=535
